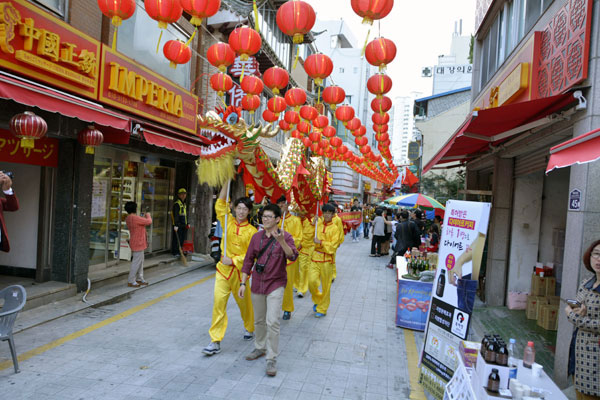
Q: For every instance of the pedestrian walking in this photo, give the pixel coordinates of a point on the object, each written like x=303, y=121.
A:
x=321, y=268
x=138, y=242
x=269, y=252
x=291, y=224
x=378, y=233
x=367, y=218
x=237, y=235
x=180, y=222
x=340, y=225
x=355, y=230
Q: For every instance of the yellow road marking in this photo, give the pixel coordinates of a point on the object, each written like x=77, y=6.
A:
x=412, y=355
x=42, y=349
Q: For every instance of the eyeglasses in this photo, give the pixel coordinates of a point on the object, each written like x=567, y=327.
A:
x=595, y=255
x=268, y=217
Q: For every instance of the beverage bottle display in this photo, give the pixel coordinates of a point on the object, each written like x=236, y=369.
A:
x=492, y=350
x=512, y=360
x=484, y=344
x=529, y=355
x=441, y=284
x=494, y=381
x=502, y=355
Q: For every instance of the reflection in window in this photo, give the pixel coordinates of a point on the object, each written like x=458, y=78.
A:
x=137, y=39
x=57, y=6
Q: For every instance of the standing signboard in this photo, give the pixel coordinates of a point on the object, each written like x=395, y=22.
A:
x=453, y=295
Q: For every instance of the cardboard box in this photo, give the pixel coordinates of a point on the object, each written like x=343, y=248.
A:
x=533, y=306
x=553, y=300
x=542, y=286
x=468, y=351
x=517, y=300
x=548, y=317
x=484, y=370
x=550, y=286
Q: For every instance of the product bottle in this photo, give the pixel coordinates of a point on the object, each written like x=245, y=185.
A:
x=494, y=381
x=512, y=360
x=502, y=356
x=441, y=284
x=491, y=353
x=484, y=344
x=529, y=355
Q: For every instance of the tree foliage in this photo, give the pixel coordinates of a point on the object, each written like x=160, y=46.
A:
x=443, y=187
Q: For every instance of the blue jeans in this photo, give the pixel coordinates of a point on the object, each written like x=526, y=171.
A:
x=466, y=290
x=366, y=227
x=355, y=234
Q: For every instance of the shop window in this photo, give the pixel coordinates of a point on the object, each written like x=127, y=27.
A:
x=137, y=39
x=57, y=6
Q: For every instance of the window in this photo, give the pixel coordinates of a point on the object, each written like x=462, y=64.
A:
x=341, y=70
x=58, y=6
x=137, y=39
x=355, y=70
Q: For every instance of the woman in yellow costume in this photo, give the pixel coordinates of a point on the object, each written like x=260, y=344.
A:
x=238, y=233
x=306, y=250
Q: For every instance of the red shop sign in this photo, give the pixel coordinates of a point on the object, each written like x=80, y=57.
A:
x=44, y=154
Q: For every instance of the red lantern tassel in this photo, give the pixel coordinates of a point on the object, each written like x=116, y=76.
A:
x=256, y=28
x=297, y=56
x=114, y=43
x=159, y=39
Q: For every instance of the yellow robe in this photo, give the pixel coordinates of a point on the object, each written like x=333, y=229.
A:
x=338, y=222
x=308, y=245
x=292, y=225
x=321, y=266
x=228, y=277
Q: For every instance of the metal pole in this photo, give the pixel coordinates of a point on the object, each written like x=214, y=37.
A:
x=226, y=220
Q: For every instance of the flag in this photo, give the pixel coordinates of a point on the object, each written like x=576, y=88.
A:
x=409, y=178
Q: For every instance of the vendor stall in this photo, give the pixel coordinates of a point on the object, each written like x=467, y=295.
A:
x=414, y=297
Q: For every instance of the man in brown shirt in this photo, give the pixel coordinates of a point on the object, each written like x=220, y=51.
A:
x=266, y=260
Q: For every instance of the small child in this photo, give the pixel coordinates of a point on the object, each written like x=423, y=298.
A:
x=137, y=242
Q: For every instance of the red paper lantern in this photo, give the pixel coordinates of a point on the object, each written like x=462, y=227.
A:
x=306, y=141
x=360, y=131
x=382, y=137
x=314, y=147
x=269, y=116
x=221, y=83
x=365, y=150
x=387, y=142
x=318, y=66
x=177, y=52
x=245, y=42
x=200, y=9
x=329, y=131
x=315, y=136
x=308, y=113
x=296, y=18
x=284, y=126
x=381, y=105
x=252, y=85
x=380, y=119
x=295, y=97
x=90, y=138
x=296, y=134
x=361, y=141
x=324, y=144
x=251, y=103
x=277, y=105
x=379, y=84
x=353, y=124
x=344, y=113
x=164, y=11
x=304, y=127
x=335, y=141
x=333, y=95
x=371, y=10
x=342, y=149
x=220, y=55
x=276, y=78
x=27, y=126
x=117, y=10
x=292, y=117
x=380, y=52
x=380, y=128
x=320, y=122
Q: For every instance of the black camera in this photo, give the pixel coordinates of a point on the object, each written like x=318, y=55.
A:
x=9, y=174
x=259, y=268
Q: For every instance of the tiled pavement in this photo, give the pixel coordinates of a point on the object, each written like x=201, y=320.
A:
x=138, y=351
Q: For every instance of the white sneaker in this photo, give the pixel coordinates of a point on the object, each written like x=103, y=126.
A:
x=212, y=348
x=248, y=335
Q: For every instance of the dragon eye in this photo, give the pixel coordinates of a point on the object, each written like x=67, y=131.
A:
x=232, y=119
x=221, y=115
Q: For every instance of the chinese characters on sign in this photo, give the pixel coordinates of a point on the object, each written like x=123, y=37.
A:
x=40, y=46
x=44, y=154
x=454, y=69
x=250, y=67
x=236, y=94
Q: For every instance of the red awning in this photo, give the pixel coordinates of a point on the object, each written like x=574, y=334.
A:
x=486, y=128
x=580, y=150
x=174, y=140
x=56, y=101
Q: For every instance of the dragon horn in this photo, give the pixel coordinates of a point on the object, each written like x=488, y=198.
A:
x=264, y=132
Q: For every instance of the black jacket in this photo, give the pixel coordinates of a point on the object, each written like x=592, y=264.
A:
x=407, y=236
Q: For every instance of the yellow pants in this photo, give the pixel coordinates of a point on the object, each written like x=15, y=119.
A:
x=303, y=268
x=320, y=272
x=224, y=287
x=288, y=294
x=334, y=273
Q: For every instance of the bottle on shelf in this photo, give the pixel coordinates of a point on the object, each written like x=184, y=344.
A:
x=441, y=284
x=529, y=355
x=512, y=360
x=491, y=352
x=494, y=381
x=502, y=355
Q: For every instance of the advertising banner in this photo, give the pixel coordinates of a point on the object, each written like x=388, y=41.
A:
x=44, y=154
x=453, y=296
x=350, y=219
x=414, y=298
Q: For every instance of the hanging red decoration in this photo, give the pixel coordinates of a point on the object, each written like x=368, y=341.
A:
x=277, y=105
x=380, y=128
x=90, y=138
x=360, y=131
x=252, y=85
x=245, y=41
x=292, y=117
x=379, y=84
x=382, y=137
x=200, y=9
x=295, y=97
x=353, y=124
x=284, y=126
x=27, y=126
x=306, y=141
x=380, y=52
x=320, y=122
x=329, y=131
x=372, y=10
x=318, y=66
x=335, y=141
x=117, y=11
x=365, y=150
x=251, y=103
x=342, y=149
x=315, y=136
x=296, y=134
x=269, y=116
x=308, y=113
x=380, y=119
x=296, y=18
x=344, y=113
x=324, y=144
x=165, y=12
x=221, y=83
x=276, y=79
x=304, y=127
x=177, y=52
x=333, y=95
x=361, y=141
x=314, y=147
x=381, y=105
x=220, y=55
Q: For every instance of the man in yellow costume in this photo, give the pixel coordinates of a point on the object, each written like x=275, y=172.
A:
x=306, y=249
x=238, y=233
x=338, y=222
x=321, y=266
x=291, y=224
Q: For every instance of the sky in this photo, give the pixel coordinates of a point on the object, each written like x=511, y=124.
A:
x=422, y=30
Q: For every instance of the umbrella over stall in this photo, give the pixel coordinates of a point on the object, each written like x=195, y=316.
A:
x=414, y=200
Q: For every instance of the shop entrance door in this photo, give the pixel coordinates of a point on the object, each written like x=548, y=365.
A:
x=153, y=196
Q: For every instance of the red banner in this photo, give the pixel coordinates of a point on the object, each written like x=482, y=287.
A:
x=44, y=154
x=351, y=220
